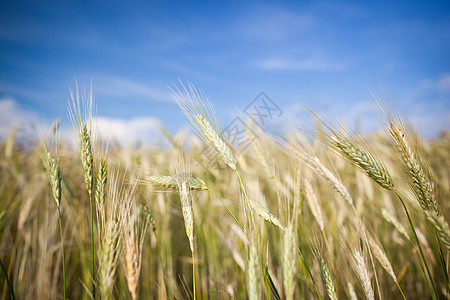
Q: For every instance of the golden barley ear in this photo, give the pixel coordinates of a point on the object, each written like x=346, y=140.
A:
x=289, y=261
x=359, y=265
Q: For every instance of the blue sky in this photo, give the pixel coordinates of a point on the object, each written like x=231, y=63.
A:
x=328, y=53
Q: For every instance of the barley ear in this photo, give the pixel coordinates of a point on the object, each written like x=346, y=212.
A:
x=171, y=182
x=313, y=203
x=360, y=267
x=102, y=178
x=86, y=157
x=253, y=275
x=265, y=214
x=188, y=214
x=441, y=226
x=393, y=220
x=328, y=281
x=362, y=158
x=108, y=258
x=54, y=176
x=289, y=261
x=382, y=258
x=198, y=109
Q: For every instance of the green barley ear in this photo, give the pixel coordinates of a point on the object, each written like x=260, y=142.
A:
x=363, y=159
x=86, y=157
x=328, y=281
x=54, y=176
x=102, y=178
x=198, y=109
x=441, y=226
x=420, y=176
x=265, y=214
x=80, y=112
x=148, y=216
x=108, y=258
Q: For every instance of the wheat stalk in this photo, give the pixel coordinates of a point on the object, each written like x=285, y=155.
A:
x=52, y=164
x=133, y=233
x=81, y=118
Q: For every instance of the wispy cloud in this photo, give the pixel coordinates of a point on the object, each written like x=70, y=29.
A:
x=441, y=84
x=123, y=87
x=128, y=131
x=308, y=64
x=273, y=23
x=23, y=91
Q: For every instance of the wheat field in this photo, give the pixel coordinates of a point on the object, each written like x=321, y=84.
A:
x=328, y=214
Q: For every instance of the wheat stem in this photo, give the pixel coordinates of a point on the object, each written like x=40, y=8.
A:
x=8, y=282
x=430, y=278
x=62, y=251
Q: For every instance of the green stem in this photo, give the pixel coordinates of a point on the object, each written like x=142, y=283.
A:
x=10, y=287
x=368, y=250
x=62, y=251
x=158, y=252
x=309, y=272
x=193, y=273
x=441, y=257
x=230, y=211
x=419, y=246
x=92, y=245
x=331, y=260
x=400, y=289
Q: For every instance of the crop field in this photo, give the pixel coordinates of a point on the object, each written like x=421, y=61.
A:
x=322, y=213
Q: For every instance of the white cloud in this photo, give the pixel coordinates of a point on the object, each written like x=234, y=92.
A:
x=140, y=129
x=309, y=64
x=13, y=116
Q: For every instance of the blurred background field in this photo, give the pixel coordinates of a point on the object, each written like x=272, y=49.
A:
x=332, y=56
x=30, y=241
